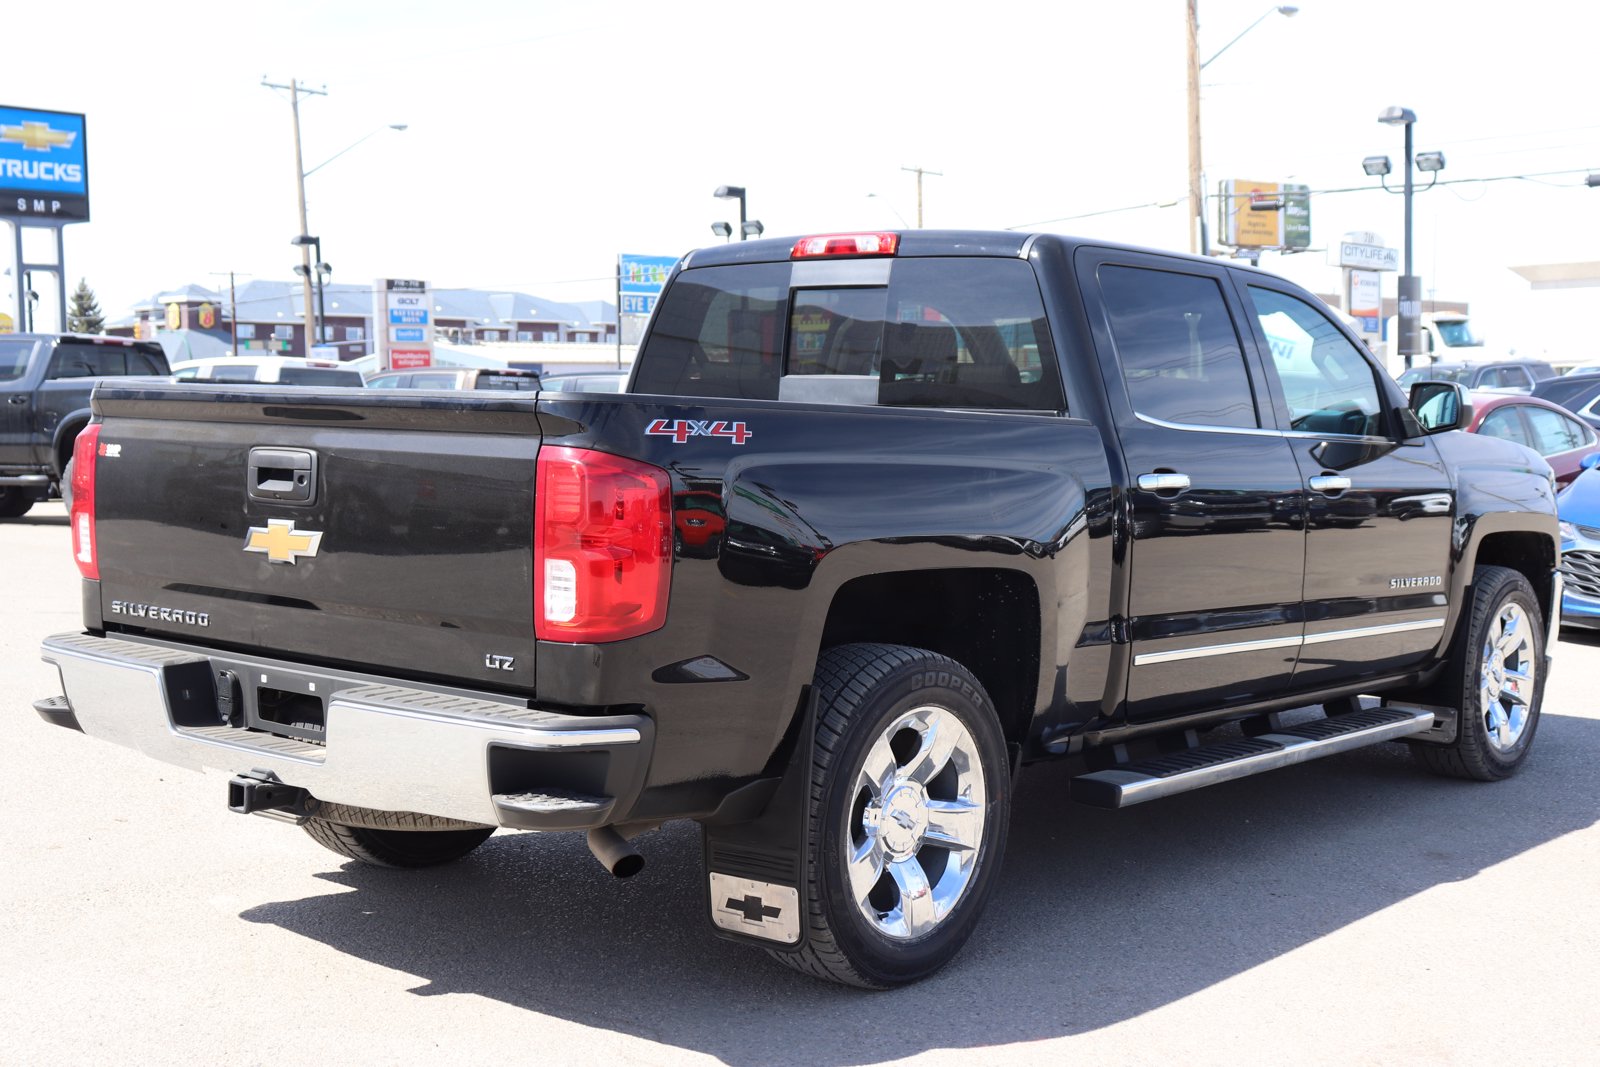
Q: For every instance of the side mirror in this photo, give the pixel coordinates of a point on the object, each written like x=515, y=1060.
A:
x=1590, y=461
x=1441, y=406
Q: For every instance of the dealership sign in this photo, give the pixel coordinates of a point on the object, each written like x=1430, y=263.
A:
x=403, y=310
x=44, y=165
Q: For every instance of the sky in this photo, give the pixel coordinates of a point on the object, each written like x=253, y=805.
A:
x=544, y=138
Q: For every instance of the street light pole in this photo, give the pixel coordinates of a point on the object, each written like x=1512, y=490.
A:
x=295, y=89
x=1197, y=212
x=1410, y=286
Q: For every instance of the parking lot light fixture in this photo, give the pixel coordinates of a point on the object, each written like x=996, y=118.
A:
x=1430, y=162
x=722, y=230
x=1376, y=166
x=753, y=228
x=734, y=192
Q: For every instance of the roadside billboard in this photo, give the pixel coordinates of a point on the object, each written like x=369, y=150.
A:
x=1254, y=214
x=44, y=165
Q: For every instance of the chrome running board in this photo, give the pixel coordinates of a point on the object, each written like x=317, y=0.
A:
x=1178, y=772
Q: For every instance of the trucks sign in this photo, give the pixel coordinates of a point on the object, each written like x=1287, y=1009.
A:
x=44, y=165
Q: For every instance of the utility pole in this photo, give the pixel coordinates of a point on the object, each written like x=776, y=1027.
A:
x=919, y=172
x=1197, y=210
x=233, y=312
x=295, y=89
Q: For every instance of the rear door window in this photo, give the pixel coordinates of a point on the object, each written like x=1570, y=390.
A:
x=1179, y=349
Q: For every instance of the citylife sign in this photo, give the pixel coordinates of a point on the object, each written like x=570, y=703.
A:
x=403, y=308
x=1368, y=257
x=44, y=165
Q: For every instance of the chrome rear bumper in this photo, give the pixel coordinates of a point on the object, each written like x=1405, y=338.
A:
x=387, y=746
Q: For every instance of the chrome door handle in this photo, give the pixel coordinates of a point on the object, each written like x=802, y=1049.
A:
x=16, y=400
x=1163, y=483
x=1329, y=483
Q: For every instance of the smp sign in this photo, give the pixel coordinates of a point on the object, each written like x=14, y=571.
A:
x=44, y=165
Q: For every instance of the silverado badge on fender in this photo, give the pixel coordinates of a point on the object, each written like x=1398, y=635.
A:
x=281, y=542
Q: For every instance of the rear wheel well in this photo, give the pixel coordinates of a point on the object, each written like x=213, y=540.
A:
x=986, y=620
x=64, y=443
x=1531, y=554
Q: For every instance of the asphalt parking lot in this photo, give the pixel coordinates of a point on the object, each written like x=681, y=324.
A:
x=1350, y=910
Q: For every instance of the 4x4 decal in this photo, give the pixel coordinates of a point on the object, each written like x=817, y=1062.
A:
x=680, y=430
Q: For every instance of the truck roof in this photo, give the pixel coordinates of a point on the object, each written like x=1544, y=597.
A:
x=914, y=243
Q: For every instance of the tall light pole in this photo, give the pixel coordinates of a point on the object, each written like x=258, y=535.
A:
x=1410, y=287
x=1198, y=241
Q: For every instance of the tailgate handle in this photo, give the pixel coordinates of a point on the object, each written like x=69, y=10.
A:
x=283, y=475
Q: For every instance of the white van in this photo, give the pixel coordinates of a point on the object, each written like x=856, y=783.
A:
x=275, y=370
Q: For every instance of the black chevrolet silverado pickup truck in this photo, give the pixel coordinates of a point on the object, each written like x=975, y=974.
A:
x=880, y=518
x=45, y=382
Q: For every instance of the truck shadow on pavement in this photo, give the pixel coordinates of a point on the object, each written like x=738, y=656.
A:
x=1102, y=916
x=39, y=519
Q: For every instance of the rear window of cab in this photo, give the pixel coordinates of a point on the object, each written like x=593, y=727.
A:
x=943, y=333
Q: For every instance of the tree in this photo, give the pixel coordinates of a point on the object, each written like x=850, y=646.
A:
x=84, y=316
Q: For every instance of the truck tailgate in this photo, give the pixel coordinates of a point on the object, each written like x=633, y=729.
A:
x=412, y=556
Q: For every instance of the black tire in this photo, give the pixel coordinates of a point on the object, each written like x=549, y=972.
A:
x=1499, y=710
x=15, y=502
x=395, y=848
x=66, y=486
x=900, y=697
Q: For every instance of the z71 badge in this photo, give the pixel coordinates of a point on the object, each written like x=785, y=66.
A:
x=680, y=430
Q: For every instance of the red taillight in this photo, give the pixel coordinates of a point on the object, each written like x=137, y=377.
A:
x=846, y=244
x=84, y=452
x=602, y=546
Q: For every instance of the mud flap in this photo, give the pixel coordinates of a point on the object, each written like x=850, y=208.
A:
x=755, y=865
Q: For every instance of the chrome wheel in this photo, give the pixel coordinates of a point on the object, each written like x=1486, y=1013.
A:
x=915, y=823
x=1507, y=673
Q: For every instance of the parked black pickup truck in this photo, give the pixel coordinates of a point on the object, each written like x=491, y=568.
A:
x=981, y=499
x=45, y=381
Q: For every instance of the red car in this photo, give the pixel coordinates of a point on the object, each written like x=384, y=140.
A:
x=1549, y=429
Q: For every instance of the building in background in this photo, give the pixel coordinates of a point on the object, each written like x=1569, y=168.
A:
x=194, y=321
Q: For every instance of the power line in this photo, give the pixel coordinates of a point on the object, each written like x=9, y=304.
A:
x=1330, y=192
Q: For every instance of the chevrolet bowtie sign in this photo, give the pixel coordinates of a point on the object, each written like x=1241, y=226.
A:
x=44, y=165
x=280, y=542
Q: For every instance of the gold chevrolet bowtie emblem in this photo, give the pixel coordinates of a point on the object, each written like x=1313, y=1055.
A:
x=281, y=542
x=38, y=136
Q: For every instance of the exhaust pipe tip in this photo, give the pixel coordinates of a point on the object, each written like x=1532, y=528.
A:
x=614, y=852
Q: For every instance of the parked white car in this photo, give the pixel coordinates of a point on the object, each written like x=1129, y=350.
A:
x=276, y=370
